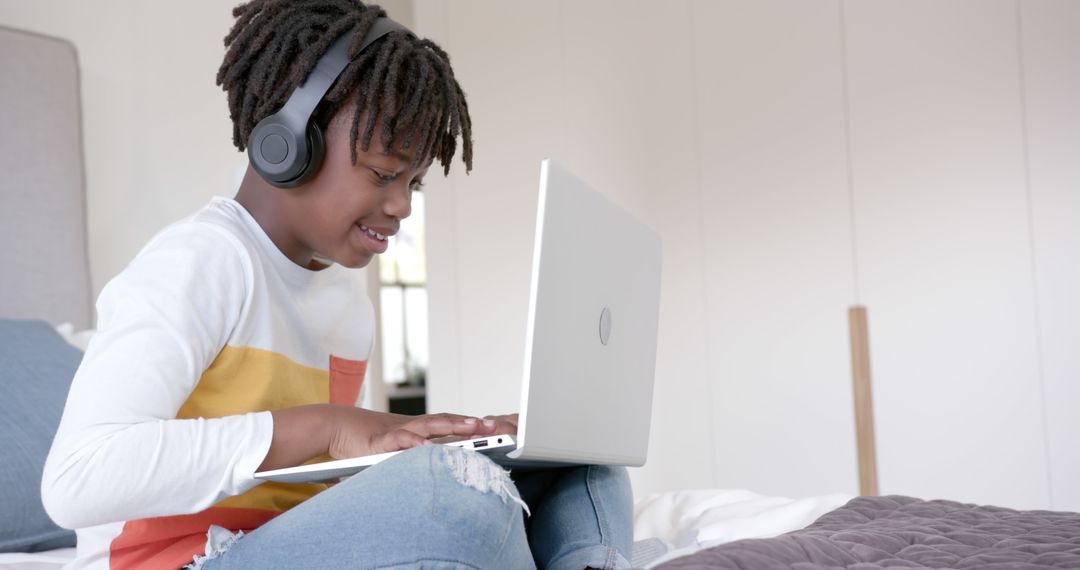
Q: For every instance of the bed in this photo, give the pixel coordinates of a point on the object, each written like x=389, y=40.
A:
x=46, y=280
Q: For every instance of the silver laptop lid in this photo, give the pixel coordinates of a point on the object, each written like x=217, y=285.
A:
x=590, y=347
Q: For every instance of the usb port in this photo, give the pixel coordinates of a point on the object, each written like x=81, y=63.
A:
x=479, y=444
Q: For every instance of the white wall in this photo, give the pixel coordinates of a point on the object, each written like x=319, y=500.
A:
x=1050, y=69
x=797, y=157
x=776, y=246
x=944, y=248
x=157, y=135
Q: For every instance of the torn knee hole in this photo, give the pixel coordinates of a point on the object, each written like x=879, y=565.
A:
x=478, y=472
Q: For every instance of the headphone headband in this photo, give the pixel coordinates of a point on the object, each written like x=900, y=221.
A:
x=286, y=147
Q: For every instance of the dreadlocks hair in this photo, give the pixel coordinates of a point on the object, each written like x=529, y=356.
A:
x=405, y=82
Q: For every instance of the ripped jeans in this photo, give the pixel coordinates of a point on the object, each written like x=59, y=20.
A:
x=445, y=507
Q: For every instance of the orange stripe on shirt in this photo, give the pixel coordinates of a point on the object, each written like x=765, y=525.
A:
x=346, y=378
x=243, y=379
x=171, y=542
x=240, y=380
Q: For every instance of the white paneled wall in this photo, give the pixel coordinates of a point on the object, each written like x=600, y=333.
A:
x=796, y=157
x=1051, y=82
x=777, y=254
x=944, y=251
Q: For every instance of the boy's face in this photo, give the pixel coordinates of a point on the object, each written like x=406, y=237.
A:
x=340, y=211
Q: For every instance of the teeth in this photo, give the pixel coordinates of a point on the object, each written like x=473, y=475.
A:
x=373, y=233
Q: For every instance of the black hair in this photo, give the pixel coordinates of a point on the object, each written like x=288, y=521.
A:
x=404, y=81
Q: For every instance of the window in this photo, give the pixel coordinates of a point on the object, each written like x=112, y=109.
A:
x=403, y=308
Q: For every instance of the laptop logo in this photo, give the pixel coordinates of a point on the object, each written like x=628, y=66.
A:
x=605, y=326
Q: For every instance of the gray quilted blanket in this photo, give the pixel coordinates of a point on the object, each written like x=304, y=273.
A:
x=871, y=533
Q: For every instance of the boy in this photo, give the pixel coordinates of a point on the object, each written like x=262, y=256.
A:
x=237, y=339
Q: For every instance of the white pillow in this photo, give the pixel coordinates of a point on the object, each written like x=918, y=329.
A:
x=78, y=339
x=712, y=516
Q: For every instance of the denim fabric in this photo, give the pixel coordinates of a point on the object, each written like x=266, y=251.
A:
x=445, y=507
x=581, y=516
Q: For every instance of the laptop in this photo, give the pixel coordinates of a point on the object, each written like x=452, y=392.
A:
x=590, y=345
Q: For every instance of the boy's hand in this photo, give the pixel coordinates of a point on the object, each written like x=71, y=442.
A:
x=304, y=432
x=506, y=424
x=357, y=431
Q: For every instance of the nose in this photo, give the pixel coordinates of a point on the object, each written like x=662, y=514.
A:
x=398, y=203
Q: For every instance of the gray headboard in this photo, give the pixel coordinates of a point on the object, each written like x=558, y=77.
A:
x=44, y=267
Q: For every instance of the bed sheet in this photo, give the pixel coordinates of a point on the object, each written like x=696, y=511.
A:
x=48, y=560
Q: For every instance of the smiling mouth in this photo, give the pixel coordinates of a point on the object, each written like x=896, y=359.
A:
x=372, y=233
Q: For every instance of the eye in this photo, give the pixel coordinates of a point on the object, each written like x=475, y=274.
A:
x=384, y=179
x=417, y=185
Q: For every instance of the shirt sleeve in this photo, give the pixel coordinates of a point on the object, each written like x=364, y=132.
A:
x=119, y=453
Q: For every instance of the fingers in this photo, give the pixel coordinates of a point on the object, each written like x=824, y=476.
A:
x=362, y=432
x=396, y=440
x=511, y=419
x=449, y=427
x=440, y=425
x=505, y=424
x=451, y=417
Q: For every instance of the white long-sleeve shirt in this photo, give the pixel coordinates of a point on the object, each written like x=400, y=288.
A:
x=207, y=329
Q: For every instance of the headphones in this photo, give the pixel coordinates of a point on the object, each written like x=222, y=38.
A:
x=286, y=148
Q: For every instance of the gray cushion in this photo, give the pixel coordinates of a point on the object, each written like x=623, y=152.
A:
x=36, y=367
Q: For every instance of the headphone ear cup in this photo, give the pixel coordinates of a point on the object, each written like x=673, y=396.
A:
x=278, y=153
x=318, y=147
x=316, y=150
